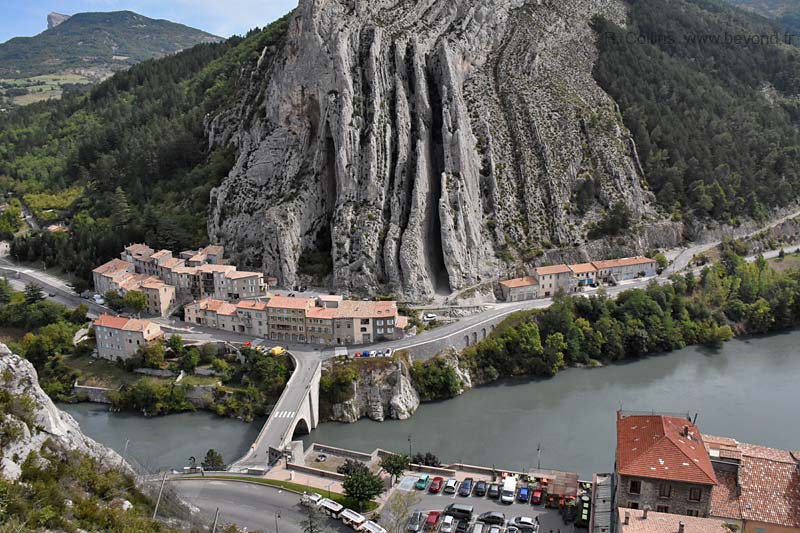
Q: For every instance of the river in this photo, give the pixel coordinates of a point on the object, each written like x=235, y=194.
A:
x=747, y=390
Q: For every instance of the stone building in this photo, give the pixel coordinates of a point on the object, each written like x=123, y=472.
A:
x=520, y=289
x=662, y=464
x=119, y=338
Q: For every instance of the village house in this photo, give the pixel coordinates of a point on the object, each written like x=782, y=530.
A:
x=520, y=289
x=616, y=270
x=111, y=275
x=585, y=274
x=662, y=464
x=160, y=296
x=252, y=316
x=287, y=317
x=119, y=338
x=553, y=280
x=758, y=487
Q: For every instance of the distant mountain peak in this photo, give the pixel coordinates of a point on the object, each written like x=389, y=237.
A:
x=54, y=19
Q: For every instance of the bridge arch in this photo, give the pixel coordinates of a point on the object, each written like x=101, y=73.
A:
x=483, y=333
x=474, y=336
x=301, y=428
x=466, y=340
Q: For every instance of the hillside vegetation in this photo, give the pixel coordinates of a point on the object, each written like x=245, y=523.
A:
x=99, y=42
x=715, y=122
x=134, y=147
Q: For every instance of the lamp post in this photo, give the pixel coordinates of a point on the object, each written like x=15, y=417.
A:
x=409, y=446
x=277, y=515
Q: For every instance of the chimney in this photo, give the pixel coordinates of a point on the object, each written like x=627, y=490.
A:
x=681, y=528
x=685, y=431
x=627, y=518
x=646, y=510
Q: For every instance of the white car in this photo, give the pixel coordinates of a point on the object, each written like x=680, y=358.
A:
x=448, y=524
x=430, y=316
x=387, y=352
x=450, y=486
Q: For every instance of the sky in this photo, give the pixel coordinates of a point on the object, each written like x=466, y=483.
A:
x=25, y=18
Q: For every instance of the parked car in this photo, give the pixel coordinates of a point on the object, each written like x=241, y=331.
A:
x=537, y=497
x=523, y=522
x=432, y=521
x=494, y=529
x=373, y=353
x=448, y=524
x=415, y=521
x=480, y=488
x=436, y=485
x=450, y=486
x=277, y=351
x=466, y=487
x=479, y=528
x=494, y=491
x=422, y=482
x=427, y=317
x=461, y=526
x=523, y=494
x=492, y=518
x=291, y=295
x=357, y=355
x=388, y=352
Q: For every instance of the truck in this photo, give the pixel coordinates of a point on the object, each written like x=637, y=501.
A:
x=509, y=490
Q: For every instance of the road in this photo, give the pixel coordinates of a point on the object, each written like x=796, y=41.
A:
x=247, y=505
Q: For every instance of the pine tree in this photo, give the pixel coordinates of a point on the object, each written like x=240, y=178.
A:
x=33, y=293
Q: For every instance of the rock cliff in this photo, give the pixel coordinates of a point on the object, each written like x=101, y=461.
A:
x=381, y=391
x=47, y=422
x=425, y=145
x=54, y=19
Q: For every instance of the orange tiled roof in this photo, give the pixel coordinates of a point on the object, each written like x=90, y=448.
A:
x=770, y=485
x=724, y=499
x=401, y=322
x=238, y=274
x=285, y=302
x=252, y=304
x=356, y=309
x=527, y=281
x=139, y=249
x=161, y=253
x=666, y=522
x=323, y=313
x=654, y=446
x=109, y=321
x=172, y=262
x=215, y=268
x=625, y=261
x=552, y=269
x=115, y=266
x=583, y=268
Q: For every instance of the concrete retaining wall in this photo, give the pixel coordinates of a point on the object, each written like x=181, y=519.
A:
x=94, y=394
x=200, y=396
x=316, y=471
x=435, y=471
x=155, y=372
x=341, y=452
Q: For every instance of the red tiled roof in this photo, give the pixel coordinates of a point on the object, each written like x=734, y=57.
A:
x=238, y=274
x=109, y=321
x=527, y=281
x=724, y=499
x=770, y=486
x=356, y=309
x=653, y=446
x=553, y=269
x=666, y=523
x=583, y=268
x=285, y=302
x=625, y=261
x=252, y=304
x=114, y=266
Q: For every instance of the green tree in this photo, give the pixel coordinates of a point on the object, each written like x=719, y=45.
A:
x=114, y=300
x=213, y=460
x=662, y=261
x=78, y=315
x=351, y=466
x=396, y=512
x=136, y=301
x=554, y=347
x=189, y=360
x=175, y=345
x=33, y=293
x=395, y=464
x=362, y=486
x=152, y=354
x=313, y=521
x=5, y=291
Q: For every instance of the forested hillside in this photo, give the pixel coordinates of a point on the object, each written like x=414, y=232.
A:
x=101, y=41
x=715, y=121
x=135, y=151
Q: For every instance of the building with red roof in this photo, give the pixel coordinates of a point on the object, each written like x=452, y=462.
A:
x=661, y=463
x=119, y=338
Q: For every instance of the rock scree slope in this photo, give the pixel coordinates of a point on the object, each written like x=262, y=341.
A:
x=426, y=144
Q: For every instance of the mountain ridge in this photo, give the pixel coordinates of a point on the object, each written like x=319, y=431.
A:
x=96, y=44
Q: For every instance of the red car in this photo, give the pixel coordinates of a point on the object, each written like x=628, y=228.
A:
x=432, y=520
x=536, y=497
x=436, y=485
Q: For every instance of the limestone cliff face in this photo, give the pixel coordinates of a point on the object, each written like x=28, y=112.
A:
x=380, y=392
x=428, y=139
x=19, y=379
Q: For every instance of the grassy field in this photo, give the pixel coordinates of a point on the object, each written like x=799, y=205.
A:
x=100, y=373
x=790, y=262
x=40, y=87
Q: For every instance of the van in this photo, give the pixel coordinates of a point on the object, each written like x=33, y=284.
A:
x=509, y=490
x=459, y=511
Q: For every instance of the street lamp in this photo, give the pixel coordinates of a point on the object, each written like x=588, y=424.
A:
x=277, y=515
x=409, y=446
x=329, y=488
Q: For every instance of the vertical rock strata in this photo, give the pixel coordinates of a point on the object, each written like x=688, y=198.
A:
x=426, y=137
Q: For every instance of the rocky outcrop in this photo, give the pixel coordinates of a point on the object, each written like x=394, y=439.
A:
x=54, y=19
x=381, y=391
x=426, y=144
x=19, y=379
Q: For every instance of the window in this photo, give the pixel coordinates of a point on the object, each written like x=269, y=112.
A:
x=695, y=493
x=664, y=490
x=636, y=487
x=662, y=508
x=760, y=530
x=633, y=505
x=692, y=512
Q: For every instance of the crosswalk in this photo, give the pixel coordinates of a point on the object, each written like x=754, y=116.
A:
x=283, y=414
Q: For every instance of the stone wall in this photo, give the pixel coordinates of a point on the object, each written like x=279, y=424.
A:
x=678, y=502
x=92, y=394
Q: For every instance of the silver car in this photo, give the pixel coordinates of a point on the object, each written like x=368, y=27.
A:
x=415, y=521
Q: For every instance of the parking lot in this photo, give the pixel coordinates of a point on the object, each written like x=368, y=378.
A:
x=549, y=519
